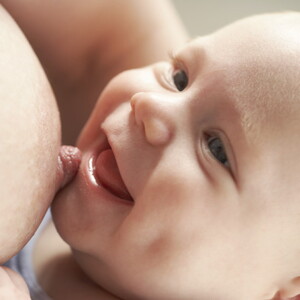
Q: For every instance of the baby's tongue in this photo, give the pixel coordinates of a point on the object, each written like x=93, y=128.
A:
x=109, y=175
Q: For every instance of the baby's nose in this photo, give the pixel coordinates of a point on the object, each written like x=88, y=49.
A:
x=152, y=112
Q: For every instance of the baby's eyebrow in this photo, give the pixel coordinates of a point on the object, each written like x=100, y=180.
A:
x=193, y=57
x=259, y=98
x=172, y=51
x=192, y=45
x=176, y=60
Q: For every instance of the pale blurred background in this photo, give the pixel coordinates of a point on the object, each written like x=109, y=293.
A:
x=204, y=16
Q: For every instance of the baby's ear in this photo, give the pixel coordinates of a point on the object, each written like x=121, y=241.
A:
x=290, y=290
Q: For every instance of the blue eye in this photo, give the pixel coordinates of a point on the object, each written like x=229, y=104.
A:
x=180, y=80
x=217, y=149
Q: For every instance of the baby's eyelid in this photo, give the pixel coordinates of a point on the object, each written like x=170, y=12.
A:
x=228, y=149
x=177, y=62
x=165, y=75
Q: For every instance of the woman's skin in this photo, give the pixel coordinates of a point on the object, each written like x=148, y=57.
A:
x=12, y=285
x=31, y=169
x=83, y=44
x=33, y=165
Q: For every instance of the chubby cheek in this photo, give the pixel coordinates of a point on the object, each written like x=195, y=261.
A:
x=166, y=217
x=161, y=241
x=84, y=221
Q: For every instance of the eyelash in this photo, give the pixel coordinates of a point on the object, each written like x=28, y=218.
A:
x=179, y=77
x=175, y=61
x=213, y=136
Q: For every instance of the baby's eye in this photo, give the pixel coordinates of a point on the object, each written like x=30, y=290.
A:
x=217, y=149
x=180, y=80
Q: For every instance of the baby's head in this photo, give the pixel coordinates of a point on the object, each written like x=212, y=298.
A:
x=207, y=147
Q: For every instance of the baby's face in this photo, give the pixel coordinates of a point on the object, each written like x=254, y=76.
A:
x=207, y=149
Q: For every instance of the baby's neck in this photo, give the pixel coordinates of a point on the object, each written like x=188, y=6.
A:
x=58, y=273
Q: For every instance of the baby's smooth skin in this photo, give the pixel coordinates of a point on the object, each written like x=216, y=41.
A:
x=208, y=149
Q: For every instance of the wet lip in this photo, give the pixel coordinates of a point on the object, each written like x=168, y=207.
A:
x=107, y=175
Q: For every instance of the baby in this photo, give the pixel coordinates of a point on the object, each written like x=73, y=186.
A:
x=188, y=187
x=189, y=181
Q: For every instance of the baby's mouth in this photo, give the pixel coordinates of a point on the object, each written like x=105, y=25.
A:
x=108, y=175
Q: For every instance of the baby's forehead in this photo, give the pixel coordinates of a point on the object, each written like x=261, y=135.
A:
x=257, y=62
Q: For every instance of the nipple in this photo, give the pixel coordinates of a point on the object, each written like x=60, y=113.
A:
x=68, y=163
